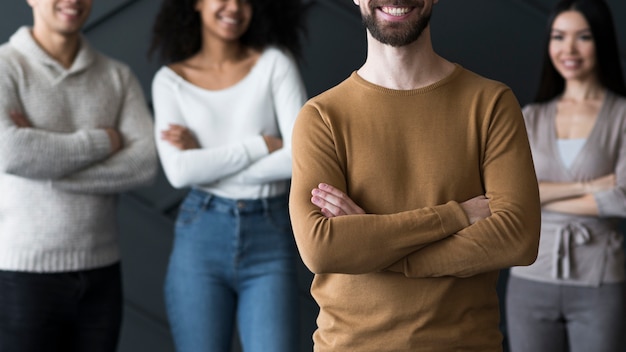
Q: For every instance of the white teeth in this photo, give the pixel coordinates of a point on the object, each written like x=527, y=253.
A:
x=230, y=20
x=71, y=12
x=570, y=63
x=396, y=11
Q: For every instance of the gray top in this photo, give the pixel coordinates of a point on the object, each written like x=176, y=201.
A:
x=58, y=181
x=580, y=250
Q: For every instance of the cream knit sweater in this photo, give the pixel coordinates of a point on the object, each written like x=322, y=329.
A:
x=58, y=179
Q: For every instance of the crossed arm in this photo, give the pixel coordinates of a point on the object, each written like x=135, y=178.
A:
x=115, y=139
x=88, y=160
x=332, y=203
x=574, y=197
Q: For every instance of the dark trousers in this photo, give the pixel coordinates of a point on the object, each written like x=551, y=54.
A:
x=546, y=317
x=68, y=312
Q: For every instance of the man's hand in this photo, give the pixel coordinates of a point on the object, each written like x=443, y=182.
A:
x=19, y=119
x=115, y=138
x=476, y=208
x=333, y=202
x=180, y=137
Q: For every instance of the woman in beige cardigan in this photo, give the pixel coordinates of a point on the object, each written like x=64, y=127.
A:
x=573, y=297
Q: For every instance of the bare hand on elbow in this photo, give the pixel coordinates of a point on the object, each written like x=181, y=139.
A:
x=19, y=119
x=273, y=143
x=180, y=137
x=476, y=208
x=333, y=202
x=600, y=184
x=115, y=138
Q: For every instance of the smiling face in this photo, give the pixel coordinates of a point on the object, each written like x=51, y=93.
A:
x=396, y=23
x=64, y=17
x=572, y=47
x=225, y=19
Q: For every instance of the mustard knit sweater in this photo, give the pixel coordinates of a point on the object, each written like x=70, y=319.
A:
x=411, y=274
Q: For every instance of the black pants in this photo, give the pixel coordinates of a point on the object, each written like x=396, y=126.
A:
x=68, y=312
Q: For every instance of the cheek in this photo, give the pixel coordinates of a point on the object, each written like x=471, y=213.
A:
x=590, y=52
x=248, y=15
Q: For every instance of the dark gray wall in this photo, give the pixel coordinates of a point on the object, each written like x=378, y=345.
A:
x=500, y=39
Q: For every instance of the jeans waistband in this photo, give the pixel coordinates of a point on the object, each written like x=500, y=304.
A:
x=239, y=205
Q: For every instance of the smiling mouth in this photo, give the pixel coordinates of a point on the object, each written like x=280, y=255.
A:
x=571, y=63
x=396, y=11
x=69, y=11
x=230, y=20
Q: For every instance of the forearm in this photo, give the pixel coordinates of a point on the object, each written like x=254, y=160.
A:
x=185, y=168
x=273, y=167
x=132, y=167
x=358, y=244
x=39, y=154
x=584, y=205
x=498, y=242
x=552, y=191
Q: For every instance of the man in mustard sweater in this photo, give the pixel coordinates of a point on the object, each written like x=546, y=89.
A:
x=413, y=185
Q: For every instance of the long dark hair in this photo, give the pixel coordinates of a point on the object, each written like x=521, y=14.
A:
x=608, y=66
x=177, y=30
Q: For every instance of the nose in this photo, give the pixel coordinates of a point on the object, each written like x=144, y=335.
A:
x=570, y=45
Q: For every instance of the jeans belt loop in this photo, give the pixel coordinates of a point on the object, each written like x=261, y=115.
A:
x=206, y=201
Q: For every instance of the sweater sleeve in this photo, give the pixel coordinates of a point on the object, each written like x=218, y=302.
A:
x=345, y=244
x=289, y=95
x=185, y=168
x=135, y=164
x=612, y=203
x=40, y=154
x=510, y=236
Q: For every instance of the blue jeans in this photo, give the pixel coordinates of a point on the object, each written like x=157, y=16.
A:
x=61, y=312
x=233, y=261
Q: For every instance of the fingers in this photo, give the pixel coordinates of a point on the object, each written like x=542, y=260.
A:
x=180, y=137
x=174, y=132
x=19, y=119
x=115, y=138
x=327, y=208
x=273, y=143
x=334, y=202
x=476, y=208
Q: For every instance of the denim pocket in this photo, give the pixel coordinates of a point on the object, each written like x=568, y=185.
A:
x=190, y=209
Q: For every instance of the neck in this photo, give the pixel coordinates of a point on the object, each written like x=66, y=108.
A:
x=219, y=53
x=408, y=67
x=583, y=90
x=62, y=48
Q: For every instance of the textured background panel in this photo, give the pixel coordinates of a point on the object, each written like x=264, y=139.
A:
x=500, y=39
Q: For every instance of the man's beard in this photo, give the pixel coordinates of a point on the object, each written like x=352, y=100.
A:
x=395, y=34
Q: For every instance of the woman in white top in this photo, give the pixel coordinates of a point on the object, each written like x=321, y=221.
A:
x=224, y=107
x=573, y=297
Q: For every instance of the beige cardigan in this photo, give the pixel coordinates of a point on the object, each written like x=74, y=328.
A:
x=580, y=250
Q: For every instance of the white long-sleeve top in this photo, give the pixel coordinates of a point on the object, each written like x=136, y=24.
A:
x=233, y=160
